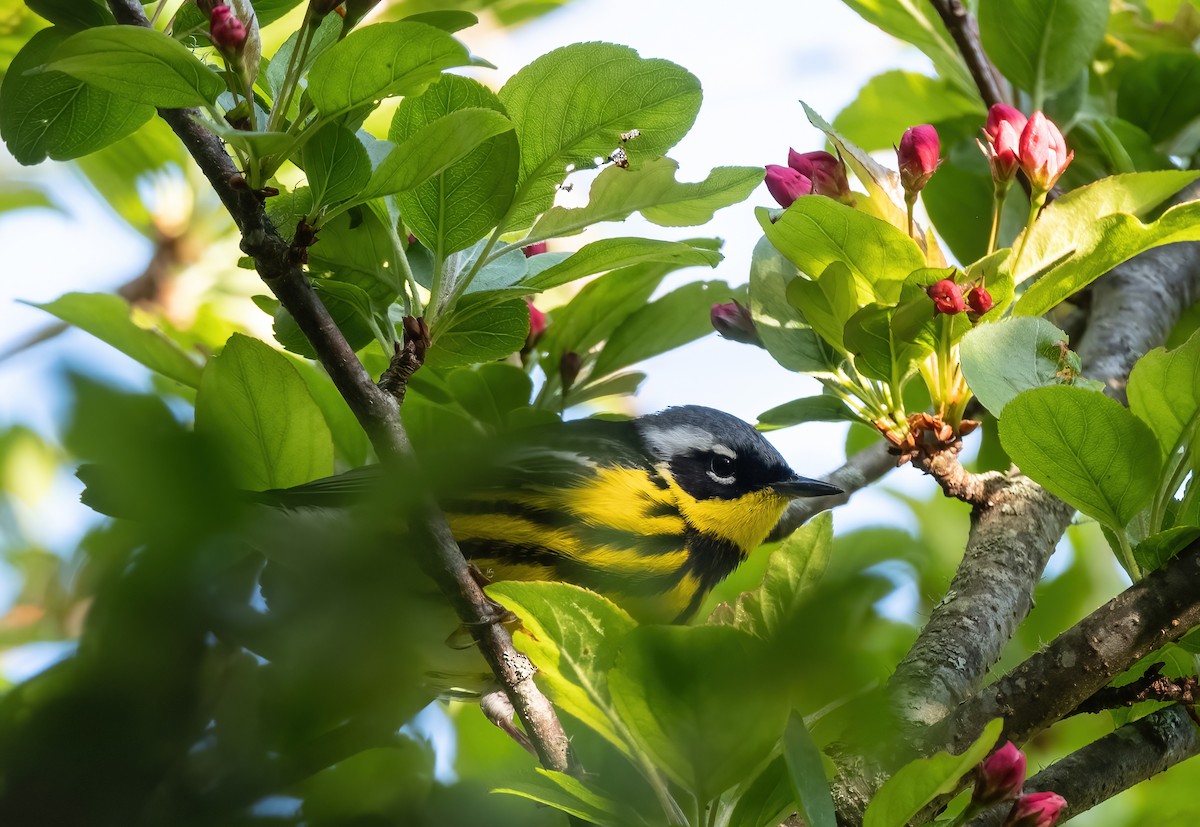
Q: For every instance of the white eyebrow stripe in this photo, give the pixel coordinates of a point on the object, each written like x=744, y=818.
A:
x=682, y=439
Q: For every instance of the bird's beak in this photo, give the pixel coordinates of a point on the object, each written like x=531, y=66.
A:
x=798, y=486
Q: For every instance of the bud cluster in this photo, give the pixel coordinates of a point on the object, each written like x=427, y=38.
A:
x=918, y=158
x=1000, y=778
x=809, y=173
x=948, y=298
x=228, y=33
x=1034, y=145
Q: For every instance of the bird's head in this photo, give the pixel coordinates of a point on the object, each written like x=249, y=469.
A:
x=731, y=481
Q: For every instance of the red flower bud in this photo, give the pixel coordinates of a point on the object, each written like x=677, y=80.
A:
x=917, y=156
x=228, y=33
x=826, y=172
x=1001, y=776
x=734, y=322
x=786, y=185
x=1043, y=152
x=534, y=249
x=947, y=297
x=1035, y=810
x=537, y=325
x=979, y=300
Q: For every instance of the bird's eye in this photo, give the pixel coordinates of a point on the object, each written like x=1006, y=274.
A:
x=720, y=468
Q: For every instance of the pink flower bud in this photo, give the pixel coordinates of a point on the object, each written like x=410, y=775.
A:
x=827, y=173
x=980, y=302
x=534, y=249
x=1002, y=775
x=1003, y=133
x=228, y=33
x=917, y=156
x=786, y=185
x=1035, y=810
x=734, y=322
x=947, y=297
x=1043, y=153
x=537, y=325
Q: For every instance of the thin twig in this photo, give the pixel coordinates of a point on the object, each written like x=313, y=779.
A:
x=965, y=32
x=375, y=410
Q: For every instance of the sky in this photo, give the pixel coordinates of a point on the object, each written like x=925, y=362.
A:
x=755, y=59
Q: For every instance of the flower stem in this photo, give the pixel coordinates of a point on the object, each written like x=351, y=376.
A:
x=1035, y=207
x=997, y=208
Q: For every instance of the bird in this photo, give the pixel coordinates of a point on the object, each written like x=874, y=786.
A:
x=651, y=512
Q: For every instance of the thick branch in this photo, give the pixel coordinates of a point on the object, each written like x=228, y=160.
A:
x=860, y=470
x=376, y=410
x=1082, y=660
x=1114, y=763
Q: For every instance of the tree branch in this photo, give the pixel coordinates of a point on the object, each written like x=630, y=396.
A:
x=1116, y=762
x=965, y=32
x=376, y=410
x=860, y=470
x=1082, y=660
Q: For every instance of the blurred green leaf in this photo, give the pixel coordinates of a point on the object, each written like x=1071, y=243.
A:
x=1085, y=448
x=138, y=64
x=918, y=24
x=1164, y=392
x=652, y=190
x=916, y=784
x=793, y=569
x=611, y=253
x=808, y=774
x=107, y=317
x=17, y=196
x=571, y=105
x=1041, y=48
x=572, y=635
x=327, y=34
x=491, y=392
x=1154, y=552
x=254, y=404
x=891, y=102
x=385, y=784
x=55, y=115
x=462, y=203
x=381, y=61
x=1161, y=93
x=767, y=800
x=701, y=701
x=569, y=794
x=677, y=318
x=73, y=14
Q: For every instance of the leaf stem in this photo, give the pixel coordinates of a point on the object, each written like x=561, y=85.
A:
x=1135, y=571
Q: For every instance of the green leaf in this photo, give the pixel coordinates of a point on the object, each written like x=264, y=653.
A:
x=73, y=14
x=653, y=191
x=1164, y=391
x=1102, y=245
x=621, y=384
x=18, y=196
x=454, y=209
x=815, y=232
x=920, y=25
x=677, y=318
x=348, y=435
x=611, y=253
x=827, y=301
x=568, y=794
x=1084, y=448
x=571, y=635
x=326, y=35
x=891, y=102
x=491, y=392
x=571, y=106
x=1161, y=93
x=808, y=409
x=381, y=61
x=268, y=11
x=785, y=333
x=1156, y=550
x=767, y=800
x=350, y=308
x=917, y=783
x=793, y=568
x=1042, y=46
x=879, y=353
x=481, y=333
x=138, y=64
x=808, y=774
x=49, y=114
x=700, y=700
x=107, y=317
x=336, y=165
x=1002, y=359
x=253, y=403
x=260, y=143
x=432, y=148
x=1056, y=233
x=448, y=20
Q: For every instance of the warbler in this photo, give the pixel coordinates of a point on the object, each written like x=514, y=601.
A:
x=651, y=512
